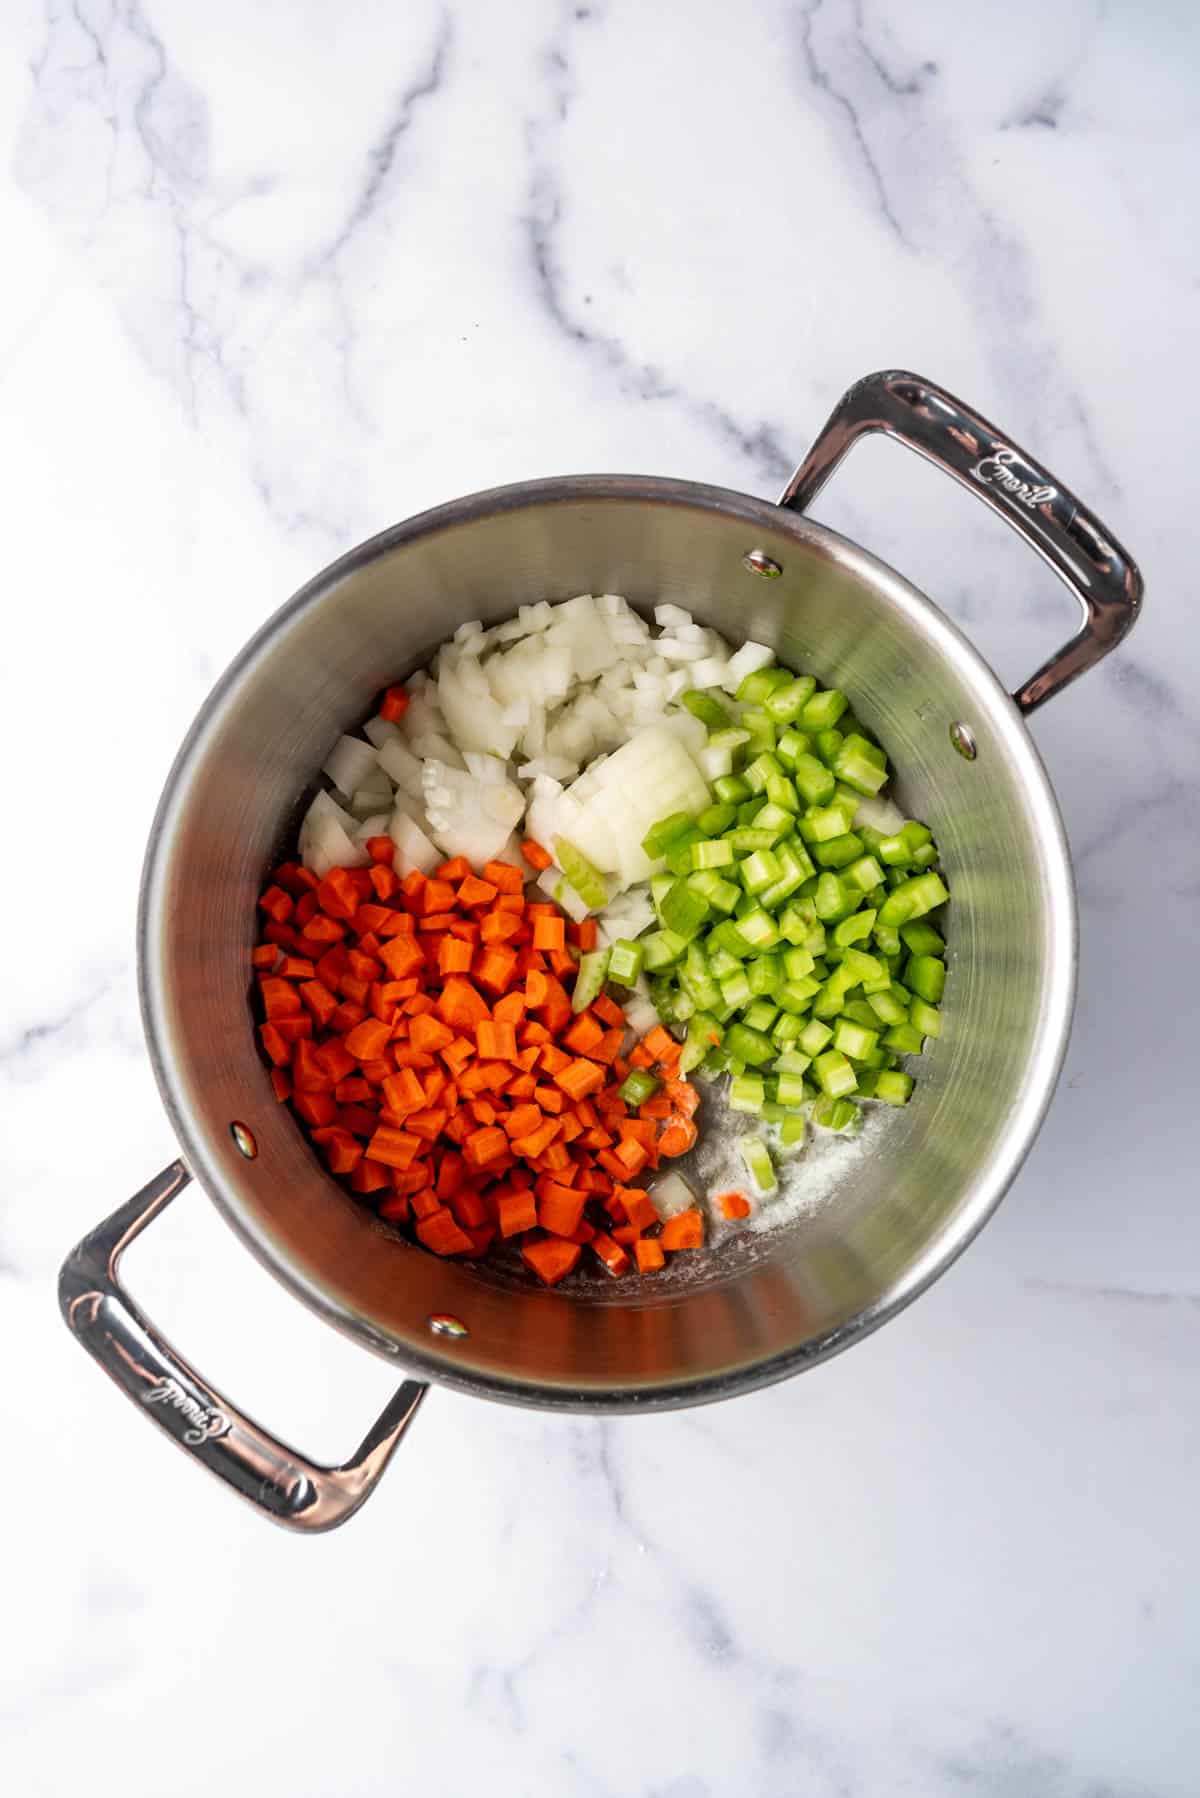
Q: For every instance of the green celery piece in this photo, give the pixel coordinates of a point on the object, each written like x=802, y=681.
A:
x=657, y=838
x=848, y=801
x=796, y=963
x=761, y=1015
x=638, y=1086
x=791, y=1131
x=746, y=839
x=813, y=781
x=893, y=1087
x=703, y=1039
x=894, y=851
x=716, y=1062
x=721, y=894
x=925, y=975
x=922, y=939
x=905, y=1039
x=747, y=1092
x=887, y=1008
x=792, y=1061
x=839, y=852
x=833, y=1074
x=887, y=938
x=735, y=988
x=710, y=711
x=759, y=870
x=925, y=1017
x=757, y=773
x=678, y=855
x=684, y=1008
x=782, y=793
x=925, y=856
x=660, y=886
x=661, y=948
x=834, y=1113
x=824, y=709
x=683, y=910
x=854, y=928
x=788, y=700
x=791, y=1091
x=594, y=969
x=765, y=973
x=832, y=996
x=861, y=765
x=795, y=996
x=580, y=873
x=758, y=929
x=760, y=732
x=731, y=789
x=713, y=853
x=775, y=818
x=721, y=964
x=791, y=744
x=860, y=966
x=916, y=835
x=912, y=898
x=624, y=961
x=749, y=1045
x=865, y=873
x=875, y=1060
x=858, y=1011
x=786, y=1029
x=757, y=1159
x=868, y=1078
x=827, y=743
x=830, y=900
x=716, y=818
x=854, y=1040
x=823, y=824
x=727, y=936
x=758, y=686
x=815, y=1036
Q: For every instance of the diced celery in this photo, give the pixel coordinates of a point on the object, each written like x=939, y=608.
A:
x=638, y=1086
x=790, y=1090
x=757, y=1159
x=788, y=700
x=760, y=732
x=854, y=1039
x=735, y=988
x=832, y=996
x=727, y=936
x=894, y=851
x=854, y=928
x=721, y=894
x=731, y=789
x=925, y=975
x=624, y=961
x=710, y=711
x=714, y=1063
x=797, y=963
x=661, y=948
x=912, y=898
x=834, y=1113
x=665, y=832
x=827, y=743
x=678, y=856
x=580, y=873
x=761, y=1015
x=747, y=1092
x=703, y=1038
x=861, y=966
x=922, y=939
x=868, y=1079
x=791, y=744
x=796, y=996
x=683, y=910
x=925, y=1017
x=824, y=709
x=887, y=938
x=758, y=870
x=830, y=899
x=758, y=929
x=594, y=968
x=746, y=839
x=782, y=793
x=749, y=1045
x=833, y=1074
x=759, y=771
x=812, y=779
x=865, y=873
x=905, y=1039
x=716, y=818
x=765, y=973
x=721, y=963
x=893, y=1087
x=791, y=1131
x=839, y=852
x=821, y=824
x=814, y=1037
x=758, y=686
x=715, y=853
x=786, y=1029
x=887, y=1008
x=860, y=764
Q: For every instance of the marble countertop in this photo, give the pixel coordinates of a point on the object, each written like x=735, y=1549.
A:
x=277, y=276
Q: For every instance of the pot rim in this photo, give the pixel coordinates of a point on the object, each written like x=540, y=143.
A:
x=1058, y=998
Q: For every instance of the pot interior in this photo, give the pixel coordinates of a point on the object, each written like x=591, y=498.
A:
x=765, y=1302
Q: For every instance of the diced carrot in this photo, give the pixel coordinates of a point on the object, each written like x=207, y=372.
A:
x=579, y=1078
x=631, y=1155
x=551, y=1257
x=678, y=1137
x=608, y=1010
x=368, y=1040
x=279, y=997
x=560, y=1209
x=504, y=876
x=338, y=895
x=583, y=934
x=440, y=1233
x=639, y=1207
x=625, y=1234
x=339, y=1148
x=535, y=855
x=518, y=1212
x=536, y=988
x=496, y=967
x=277, y=904
x=468, y=1208
x=275, y=1044
x=496, y=1041
x=402, y=956
x=394, y=704
x=316, y=1109
x=537, y=1141
x=649, y=1255
x=640, y=1129
x=453, y=869
x=396, y=1209
x=611, y=1254
x=281, y=1085
x=549, y=933
x=683, y=1231
x=394, y=1147
x=658, y=1108
x=660, y=1043
x=584, y=1034
x=460, y=1005
x=484, y=1146
x=733, y=1204
x=265, y=956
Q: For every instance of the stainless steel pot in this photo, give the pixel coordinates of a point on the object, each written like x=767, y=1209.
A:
x=766, y=1305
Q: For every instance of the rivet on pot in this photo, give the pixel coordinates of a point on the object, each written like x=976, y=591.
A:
x=442, y=1324
x=759, y=562
x=963, y=739
x=244, y=1140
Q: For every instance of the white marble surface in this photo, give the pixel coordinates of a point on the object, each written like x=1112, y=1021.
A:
x=278, y=275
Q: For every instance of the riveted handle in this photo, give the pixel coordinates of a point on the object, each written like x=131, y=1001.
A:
x=285, y=1485
x=1051, y=520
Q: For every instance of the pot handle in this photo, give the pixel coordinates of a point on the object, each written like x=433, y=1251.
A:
x=1052, y=521
x=290, y=1489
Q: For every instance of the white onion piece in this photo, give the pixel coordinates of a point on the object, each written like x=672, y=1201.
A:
x=468, y=816
x=648, y=777
x=671, y=617
x=349, y=764
x=415, y=849
x=671, y=1194
x=375, y=795
x=327, y=837
x=879, y=814
x=714, y=762
x=401, y=765
x=747, y=660
x=710, y=672
x=374, y=826
x=379, y=731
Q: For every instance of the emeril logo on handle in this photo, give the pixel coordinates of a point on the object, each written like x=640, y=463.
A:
x=205, y=1422
x=996, y=470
